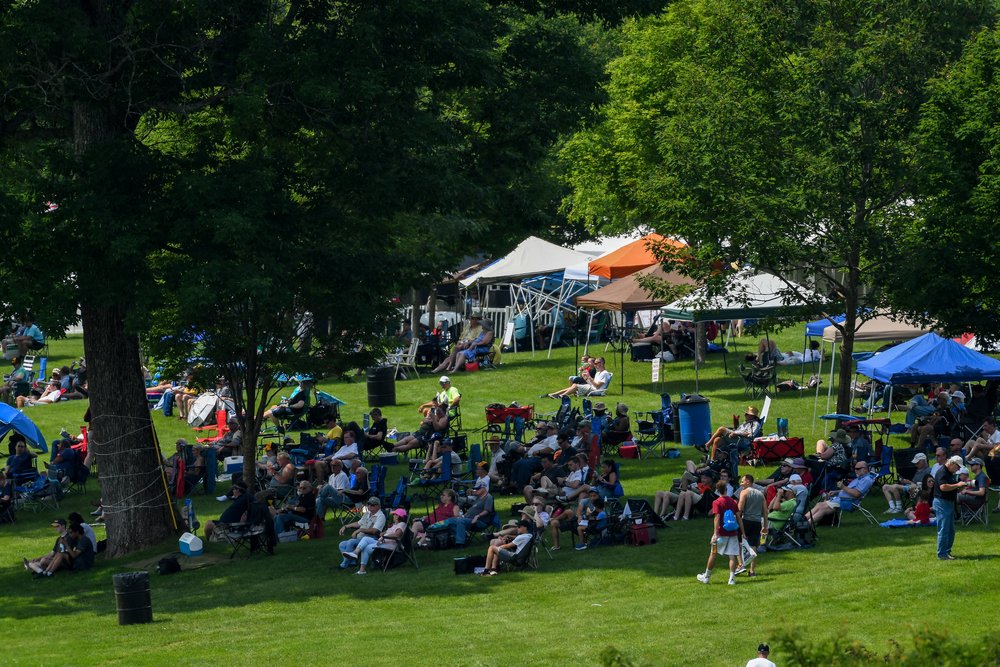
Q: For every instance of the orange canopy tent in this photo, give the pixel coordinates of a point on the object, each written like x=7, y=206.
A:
x=630, y=258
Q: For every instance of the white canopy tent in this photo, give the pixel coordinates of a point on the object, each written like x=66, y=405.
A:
x=544, y=298
x=749, y=295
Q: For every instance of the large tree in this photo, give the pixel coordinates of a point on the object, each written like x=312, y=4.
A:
x=779, y=135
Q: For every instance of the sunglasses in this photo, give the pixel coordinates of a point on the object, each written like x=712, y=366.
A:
x=860, y=467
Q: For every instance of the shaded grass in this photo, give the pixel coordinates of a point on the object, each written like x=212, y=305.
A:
x=295, y=607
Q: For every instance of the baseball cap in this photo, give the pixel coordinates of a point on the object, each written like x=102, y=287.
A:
x=976, y=461
x=58, y=522
x=919, y=457
x=795, y=479
x=444, y=379
x=400, y=512
x=788, y=462
x=958, y=394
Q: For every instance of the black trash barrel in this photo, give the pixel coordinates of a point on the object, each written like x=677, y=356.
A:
x=132, y=595
x=381, y=386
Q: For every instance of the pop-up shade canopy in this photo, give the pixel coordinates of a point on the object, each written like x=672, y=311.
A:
x=750, y=296
x=930, y=358
x=628, y=294
x=630, y=258
x=532, y=257
x=815, y=329
x=12, y=419
x=878, y=328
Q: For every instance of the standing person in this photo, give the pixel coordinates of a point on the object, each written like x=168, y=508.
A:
x=763, y=650
x=725, y=537
x=946, y=488
x=751, y=507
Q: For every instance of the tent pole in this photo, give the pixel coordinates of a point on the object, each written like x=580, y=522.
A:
x=555, y=317
x=819, y=373
x=888, y=409
x=621, y=384
x=833, y=364
x=805, y=346
x=590, y=325
x=576, y=338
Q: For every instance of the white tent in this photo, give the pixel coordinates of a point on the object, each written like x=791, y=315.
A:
x=532, y=257
x=748, y=296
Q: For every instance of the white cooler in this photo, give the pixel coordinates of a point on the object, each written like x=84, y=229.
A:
x=233, y=464
x=190, y=545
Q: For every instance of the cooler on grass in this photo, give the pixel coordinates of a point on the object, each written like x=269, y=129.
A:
x=772, y=449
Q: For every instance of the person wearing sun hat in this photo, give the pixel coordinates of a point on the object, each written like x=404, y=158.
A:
x=726, y=436
x=388, y=540
x=833, y=451
x=620, y=428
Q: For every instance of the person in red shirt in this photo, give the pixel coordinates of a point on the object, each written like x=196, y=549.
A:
x=725, y=540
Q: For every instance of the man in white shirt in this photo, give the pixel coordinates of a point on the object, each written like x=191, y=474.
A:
x=349, y=450
x=331, y=494
x=763, y=650
x=983, y=444
x=598, y=382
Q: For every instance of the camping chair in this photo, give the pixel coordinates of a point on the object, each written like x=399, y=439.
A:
x=795, y=533
x=405, y=360
x=42, y=493
x=859, y=508
x=970, y=514
x=603, y=391
x=221, y=427
x=402, y=552
x=526, y=559
x=883, y=469
x=428, y=489
x=649, y=431
x=758, y=380
x=250, y=537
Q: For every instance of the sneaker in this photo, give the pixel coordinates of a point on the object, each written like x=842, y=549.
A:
x=561, y=499
x=360, y=572
x=703, y=578
x=948, y=557
x=27, y=567
x=221, y=499
x=740, y=570
x=35, y=567
x=752, y=574
x=732, y=582
x=891, y=510
x=349, y=555
x=581, y=547
x=555, y=548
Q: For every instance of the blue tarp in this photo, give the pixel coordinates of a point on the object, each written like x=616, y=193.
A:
x=930, y=358
x=12, y=419
x=815, y=329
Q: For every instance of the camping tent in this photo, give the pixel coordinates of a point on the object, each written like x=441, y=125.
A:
x=815, y=329
x=628, y=294
x=930, y=358
x=630, y=258
x=750, y=296
x=12, y=419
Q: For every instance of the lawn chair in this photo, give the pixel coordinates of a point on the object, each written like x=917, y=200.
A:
x=221, y=427
x=402, y=552
x=526, y=559
x=758, y=380
x=859, y=508
x=796, y=533
x=406, y=360
x=251, y=536
x=429, y=489
x=883, y=469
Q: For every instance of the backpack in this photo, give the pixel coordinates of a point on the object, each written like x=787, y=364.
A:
x=729, y=522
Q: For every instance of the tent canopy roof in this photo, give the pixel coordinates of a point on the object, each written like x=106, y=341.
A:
x=816, y=328
x=627, y=294
x=882, y=327
x=532, y=257
x=930, y=358
x=12, y=419
x=757, y=296
x=630, y=258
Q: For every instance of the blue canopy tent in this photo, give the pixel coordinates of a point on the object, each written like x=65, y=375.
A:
x=929, y=358
x=815, y=330
x=12, y=419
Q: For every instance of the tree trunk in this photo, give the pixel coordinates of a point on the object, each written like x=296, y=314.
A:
x=700, y=343
x=415, y=313
x=137, y=506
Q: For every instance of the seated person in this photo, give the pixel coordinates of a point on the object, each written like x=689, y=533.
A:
x=847, y=498
x=545, y=442
x=768, y=352
x=357, y=483
x=606, y=482
x=64, y=461
x=586, y=367
x=973, y=496
x=620, y=428
x=18, y=376
x=369, y=524
x=29, y=338
x=280, y=476
x=51, y=394
x=986, y=442
x=300, y=510
x=700, y=498
x=331, y=490
x=335, y=432
x=569, y=486
x=296, y=405
x=443, y=514
x=922, y=513
x=656, y=336
x=773, y=483
x=939, y=422
x=22, y=461
x=592, y=384
x=479, y=516
x=387, y=540
x=592, y=522
x=834, y=452
x=504, y=549
x=6, y=495
x=231, y=443
x=347, y=451
x=781, y=508
x=433, y=427
x=910, y=487
x=472, y=333
x=566, y=518
x=860, y=445
x=40, y=564
x=545, y=481
x=76, y=553
x=449, y=397
x=185, y=394
x=727, y=437
x=235, y=513
x=376, y=433
x=565, y=445
x=438, y=450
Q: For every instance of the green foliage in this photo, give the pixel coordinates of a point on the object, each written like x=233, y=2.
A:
x=930, y=647
x=956, y=210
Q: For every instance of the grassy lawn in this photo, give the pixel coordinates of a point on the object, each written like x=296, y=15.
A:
x=871, y=584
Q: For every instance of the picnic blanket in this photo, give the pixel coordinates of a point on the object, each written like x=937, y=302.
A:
x=903, y=523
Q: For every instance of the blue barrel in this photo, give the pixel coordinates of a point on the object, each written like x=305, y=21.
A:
x=695, y=418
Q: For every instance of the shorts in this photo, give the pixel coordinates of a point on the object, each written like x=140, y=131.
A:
x=283, y=412
x=35, y=345
x=506, y=555
x=728, y=545
x=585, y=390
x=753, y=532
x=843, y=504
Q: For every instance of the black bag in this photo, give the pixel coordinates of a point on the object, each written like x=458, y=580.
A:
x=168, y=565
x=440, y=538
x=468, y=564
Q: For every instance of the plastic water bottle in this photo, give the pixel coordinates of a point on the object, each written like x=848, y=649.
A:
x=782, y=427
x=189, y=513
